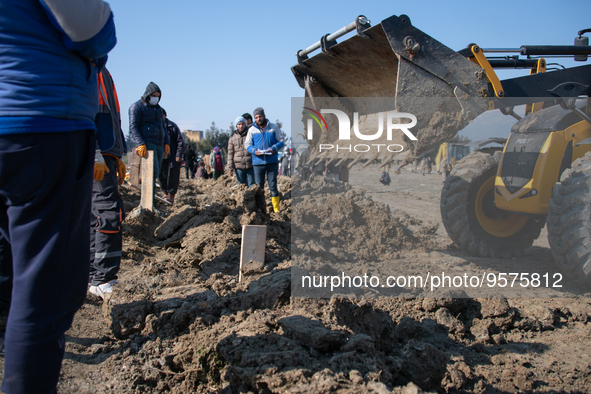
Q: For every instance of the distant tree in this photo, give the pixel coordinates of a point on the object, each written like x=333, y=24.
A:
x=279, y=124
x=460, y=139
x=214, y=136
x=130, y=142
x=231, y=129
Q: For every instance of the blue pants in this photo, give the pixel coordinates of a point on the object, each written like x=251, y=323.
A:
x=245, y=176
x=45, y=201
x=106, y=235
x=271, y=171
x=5, y=275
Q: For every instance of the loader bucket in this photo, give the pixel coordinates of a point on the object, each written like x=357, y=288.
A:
x=391, y=66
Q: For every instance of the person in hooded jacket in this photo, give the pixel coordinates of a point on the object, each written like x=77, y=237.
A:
x=239, y=160
x=216, y=161
x=171, y=166
x=148, y=127
x=263, y=142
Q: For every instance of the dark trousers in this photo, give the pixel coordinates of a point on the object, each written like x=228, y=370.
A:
x=305, y=173
x=45, y=202
x=217, y=174
x=270, y=170
x=189, y=171
x=169, y=177
x=106, y=235
x=5, y=275
x=245, y=176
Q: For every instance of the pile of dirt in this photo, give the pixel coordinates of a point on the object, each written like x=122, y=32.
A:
x=337, y=223
x=181, y=322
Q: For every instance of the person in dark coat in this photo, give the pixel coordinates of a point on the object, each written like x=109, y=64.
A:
x=171, y=166
x=147, y=126
x=385, y=178
x=319, y=167
x=333, y=170
x=303, y=165
x=239, y=160
x=190, y=160
x=248, y=118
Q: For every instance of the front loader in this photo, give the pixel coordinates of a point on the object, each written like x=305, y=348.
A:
x=493, y=204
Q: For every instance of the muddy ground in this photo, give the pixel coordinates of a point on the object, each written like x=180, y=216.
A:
x=180, y=322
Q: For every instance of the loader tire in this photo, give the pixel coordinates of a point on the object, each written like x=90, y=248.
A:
x=471, y=218
x=569, y=222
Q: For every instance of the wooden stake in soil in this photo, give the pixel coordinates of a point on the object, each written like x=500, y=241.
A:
x=147, y=171
x=134, y=161
x=254, y=239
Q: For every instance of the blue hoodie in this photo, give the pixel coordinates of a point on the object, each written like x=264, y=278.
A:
x=47, y=80
x=269, y=137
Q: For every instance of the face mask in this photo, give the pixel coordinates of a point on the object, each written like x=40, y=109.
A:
x=154, y=100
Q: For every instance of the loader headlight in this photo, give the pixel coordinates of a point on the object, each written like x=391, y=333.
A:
x=532, y=193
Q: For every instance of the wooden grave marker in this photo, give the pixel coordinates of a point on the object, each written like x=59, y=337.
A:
x=147, y=174
x=135, y=162
x=254, y=239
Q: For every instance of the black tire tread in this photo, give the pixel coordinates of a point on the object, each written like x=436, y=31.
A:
x=455, y=205
x=569, y=222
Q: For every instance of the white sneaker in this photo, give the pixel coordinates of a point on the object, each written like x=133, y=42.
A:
x=102, y=289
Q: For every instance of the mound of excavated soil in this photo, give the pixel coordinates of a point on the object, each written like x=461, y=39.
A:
x=180, y=322
x=332, y=221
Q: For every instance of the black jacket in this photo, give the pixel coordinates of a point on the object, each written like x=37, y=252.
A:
x=189, y=158
x=177, y=145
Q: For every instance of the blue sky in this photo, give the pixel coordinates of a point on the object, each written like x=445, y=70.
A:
x=215, y=60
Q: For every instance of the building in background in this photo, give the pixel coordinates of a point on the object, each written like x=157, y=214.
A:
x=192, y=135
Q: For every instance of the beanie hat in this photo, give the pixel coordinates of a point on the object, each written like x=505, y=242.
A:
x=238, y=120
x=258, y=111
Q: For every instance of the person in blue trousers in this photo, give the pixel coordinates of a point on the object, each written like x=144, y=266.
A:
x=51, y=53
x=263, y=141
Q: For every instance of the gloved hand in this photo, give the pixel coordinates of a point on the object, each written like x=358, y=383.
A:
x=141, y=150
x=100, y=167
x=121, y=171
x=166, y=150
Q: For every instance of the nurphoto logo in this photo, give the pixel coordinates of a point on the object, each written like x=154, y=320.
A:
x=345, y=129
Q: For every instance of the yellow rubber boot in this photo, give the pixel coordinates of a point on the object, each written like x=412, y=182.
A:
x=275, y=202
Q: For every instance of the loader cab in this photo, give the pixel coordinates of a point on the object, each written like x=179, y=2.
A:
x=540, y=148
